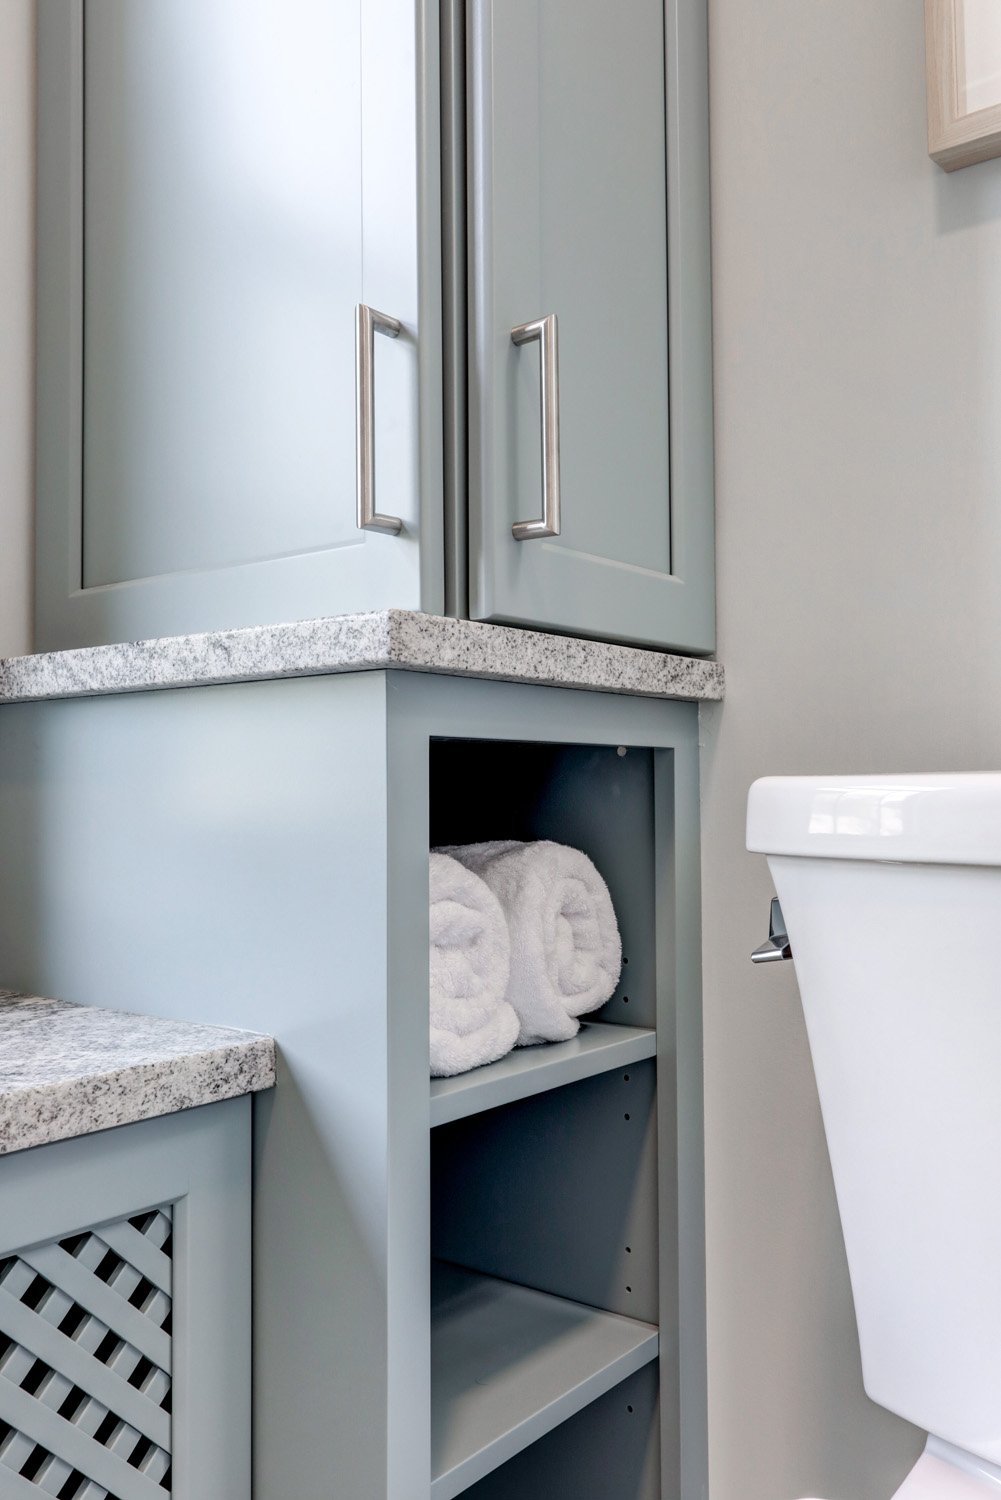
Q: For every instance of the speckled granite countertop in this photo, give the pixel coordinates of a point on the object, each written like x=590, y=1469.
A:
x=393, y=638
x=68, y=1070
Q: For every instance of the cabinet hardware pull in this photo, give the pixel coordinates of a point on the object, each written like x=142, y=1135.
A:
x=368, y=323
x=545, y=330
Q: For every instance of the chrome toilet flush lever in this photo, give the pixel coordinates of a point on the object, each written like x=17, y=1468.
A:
x=778, y=945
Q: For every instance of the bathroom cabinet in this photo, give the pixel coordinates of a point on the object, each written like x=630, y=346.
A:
x=221, y=187
x=125, y=1312
x=489, y=1286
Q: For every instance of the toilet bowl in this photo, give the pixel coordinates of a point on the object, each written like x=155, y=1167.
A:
x=944, y=1472
x=890, y=889
x=947, y=1473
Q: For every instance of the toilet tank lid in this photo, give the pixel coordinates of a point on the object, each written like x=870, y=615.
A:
x=950, y=819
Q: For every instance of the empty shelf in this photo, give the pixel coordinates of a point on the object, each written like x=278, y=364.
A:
x=597, y=1048
x=509, y=1364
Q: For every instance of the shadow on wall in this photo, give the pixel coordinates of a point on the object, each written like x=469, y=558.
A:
x=968, y=198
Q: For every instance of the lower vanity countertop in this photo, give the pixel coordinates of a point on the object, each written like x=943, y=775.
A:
x=69, y=1070
x=393, y=638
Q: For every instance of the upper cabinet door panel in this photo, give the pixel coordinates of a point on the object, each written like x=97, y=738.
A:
x=220, y=185
x=586, y=172
x=222, y=238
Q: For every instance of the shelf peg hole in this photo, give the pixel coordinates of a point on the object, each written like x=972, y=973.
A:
x=625, y=999
x=629, y=1409
x=625, y=1117
x=629, y=1290
x=629, y=1249
x=625, y=1078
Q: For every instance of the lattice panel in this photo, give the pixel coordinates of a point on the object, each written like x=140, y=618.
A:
x=85, y=1365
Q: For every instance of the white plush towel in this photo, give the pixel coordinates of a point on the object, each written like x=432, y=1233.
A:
x=471, y=1022
x=566, y=953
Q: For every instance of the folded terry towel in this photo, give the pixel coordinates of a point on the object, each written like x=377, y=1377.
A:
x=566, y=953
x=471, y=1022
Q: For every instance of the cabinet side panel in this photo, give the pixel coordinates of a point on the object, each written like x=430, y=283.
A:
x=220, y=855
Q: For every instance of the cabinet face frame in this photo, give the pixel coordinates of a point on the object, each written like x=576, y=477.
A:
x=401, y=235
x=620, y=602
x=422, y=709
x=956, y=138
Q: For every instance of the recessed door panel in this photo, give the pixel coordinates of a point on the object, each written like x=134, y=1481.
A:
x=220, y=185
x=222, y=240
x=570, y=149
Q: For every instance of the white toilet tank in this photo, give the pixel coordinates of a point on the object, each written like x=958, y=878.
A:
x=891, y=891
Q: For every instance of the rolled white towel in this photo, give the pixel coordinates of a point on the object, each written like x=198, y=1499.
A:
x=566, y=953
x=471, y=1022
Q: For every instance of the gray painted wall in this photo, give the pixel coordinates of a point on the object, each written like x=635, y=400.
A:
x=17, y=189
x=858, y=385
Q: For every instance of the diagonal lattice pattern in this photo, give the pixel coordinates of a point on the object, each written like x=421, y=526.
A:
x=85, y=1341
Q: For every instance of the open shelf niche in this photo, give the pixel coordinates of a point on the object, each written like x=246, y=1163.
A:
x=544, y=1219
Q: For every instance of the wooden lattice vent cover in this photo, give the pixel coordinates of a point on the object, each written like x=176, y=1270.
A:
x=85, y=1343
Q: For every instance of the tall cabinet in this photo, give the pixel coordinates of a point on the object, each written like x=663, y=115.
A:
x=350, y=304
x=490, y=1286
x=347, y=305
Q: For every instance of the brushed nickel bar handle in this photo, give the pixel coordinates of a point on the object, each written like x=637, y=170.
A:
x=547, y=333
x=368, y=323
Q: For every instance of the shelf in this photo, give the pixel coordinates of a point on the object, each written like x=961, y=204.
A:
x=597, y=1048
x=508, y=1364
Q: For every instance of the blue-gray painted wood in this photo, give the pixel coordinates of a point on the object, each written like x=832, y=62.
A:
x=53, y=1262
x=200, y=1162
x=240, y=843
x=195, y=455
x=508, y=1364
x=217, y=190
x=683, y=1372
x=609, y=1449
x=597, y=1048
x=35, y=1421
x=62, y=1353
x=454, y=262
x=136, y=1249
x=559, y=1192
x=256, y=855
x=588, y=185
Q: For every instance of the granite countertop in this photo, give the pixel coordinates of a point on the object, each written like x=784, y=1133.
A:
x=68, y=1070
x=392, y=638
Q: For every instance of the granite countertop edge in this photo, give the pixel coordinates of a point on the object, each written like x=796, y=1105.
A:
x=64, y=1078
x=404, y=640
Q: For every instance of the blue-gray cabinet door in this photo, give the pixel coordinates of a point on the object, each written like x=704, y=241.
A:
x=219, y=186
x=588, y=199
